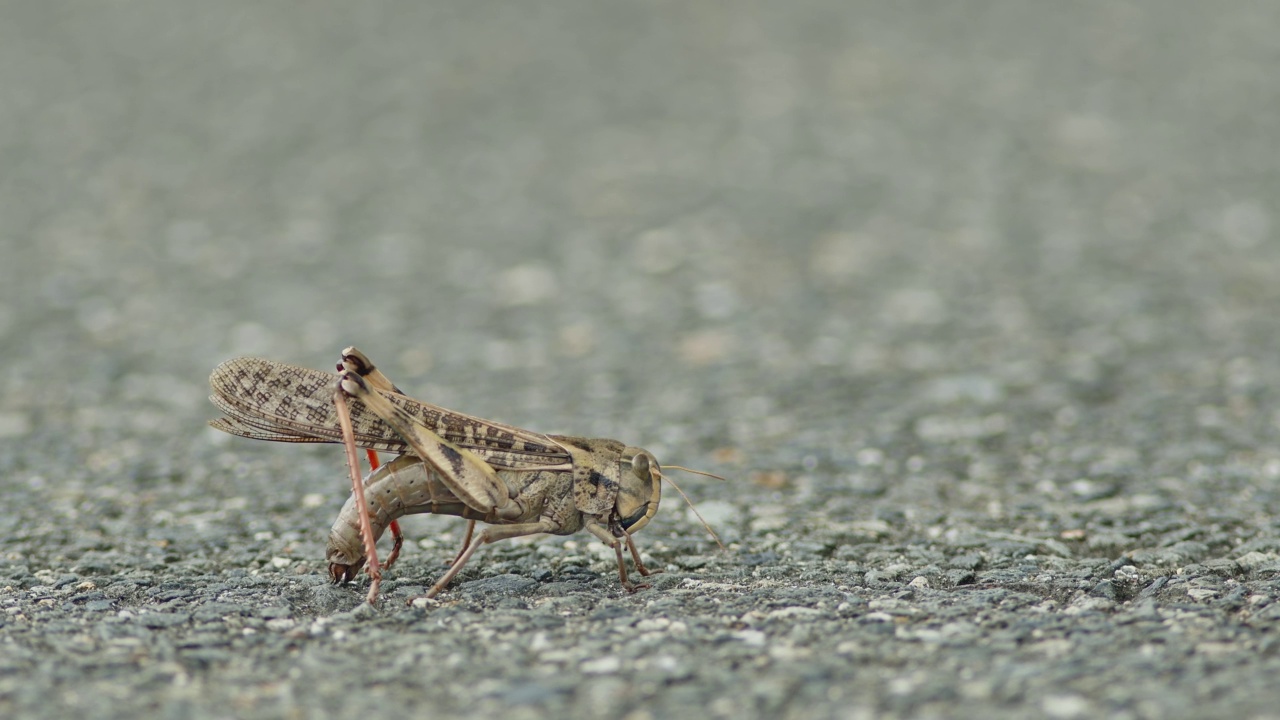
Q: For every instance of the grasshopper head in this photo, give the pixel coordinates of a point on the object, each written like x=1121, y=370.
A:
x=640, y=489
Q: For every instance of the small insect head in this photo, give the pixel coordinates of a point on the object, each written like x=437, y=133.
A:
x=640, y=489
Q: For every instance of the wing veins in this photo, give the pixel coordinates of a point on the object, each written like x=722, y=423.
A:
x=256, y=394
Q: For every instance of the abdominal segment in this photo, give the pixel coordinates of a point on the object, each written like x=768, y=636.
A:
x=407, y=486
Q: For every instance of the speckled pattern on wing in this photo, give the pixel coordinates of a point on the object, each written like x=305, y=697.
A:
x=269, y=400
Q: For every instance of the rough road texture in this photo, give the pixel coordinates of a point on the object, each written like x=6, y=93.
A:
x=974, y=302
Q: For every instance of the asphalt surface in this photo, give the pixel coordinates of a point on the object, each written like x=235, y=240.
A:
x=974, y=304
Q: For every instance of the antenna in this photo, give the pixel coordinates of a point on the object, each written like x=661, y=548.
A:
x=690, y=502
x=696, y=472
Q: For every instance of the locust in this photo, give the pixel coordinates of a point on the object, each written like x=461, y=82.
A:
x=516, y=481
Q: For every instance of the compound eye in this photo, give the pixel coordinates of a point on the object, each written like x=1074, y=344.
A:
x=640, y=465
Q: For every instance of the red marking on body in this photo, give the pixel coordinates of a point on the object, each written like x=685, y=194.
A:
x=394, y=527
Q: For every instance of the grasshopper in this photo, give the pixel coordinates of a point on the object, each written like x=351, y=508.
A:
x=517, y=481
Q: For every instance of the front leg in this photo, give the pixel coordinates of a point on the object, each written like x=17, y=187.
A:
x=611, y=539
x=635, y=555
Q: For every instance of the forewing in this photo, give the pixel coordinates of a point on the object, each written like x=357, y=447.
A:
x=268, y=400
x=245, y=430
x=293, y=401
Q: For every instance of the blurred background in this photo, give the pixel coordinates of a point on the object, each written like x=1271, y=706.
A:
x=924, y=263
x=730, y=226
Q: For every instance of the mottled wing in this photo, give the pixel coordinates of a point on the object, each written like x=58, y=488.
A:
x=263, y=399
x=268, y=400
x=245, y=430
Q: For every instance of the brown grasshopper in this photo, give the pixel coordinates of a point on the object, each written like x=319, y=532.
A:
x=517, y=481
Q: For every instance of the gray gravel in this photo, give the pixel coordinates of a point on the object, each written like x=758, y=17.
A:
x=973, y=302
